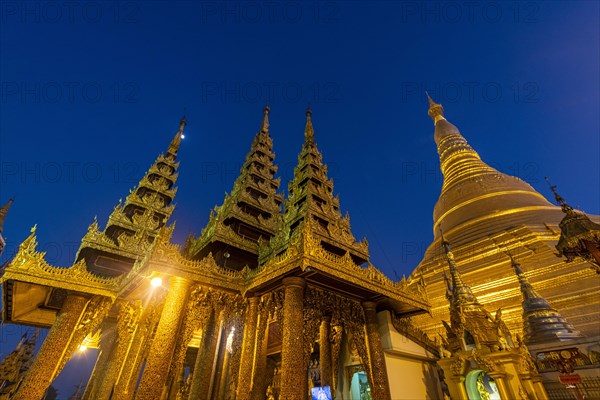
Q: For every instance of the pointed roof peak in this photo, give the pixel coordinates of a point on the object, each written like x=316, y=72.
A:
x=515, y=264
x=559, y=199
x=436, y=111
x=174, y=145
x=309, y=132
x=4, y=211
x=264, y=127
x=541, y=322
x=461, y=293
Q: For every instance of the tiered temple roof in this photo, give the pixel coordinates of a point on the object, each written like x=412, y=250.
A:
x=133, y=226
x=541, y=323
x=248, y=214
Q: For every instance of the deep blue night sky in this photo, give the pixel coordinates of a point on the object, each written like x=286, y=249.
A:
x=91, y=93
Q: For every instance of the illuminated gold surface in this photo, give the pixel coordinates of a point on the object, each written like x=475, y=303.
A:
x=310, y=277
x=485, y=214
x=292, y=352
x=163, y=343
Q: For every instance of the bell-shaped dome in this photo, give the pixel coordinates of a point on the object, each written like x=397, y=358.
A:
x=473, y=191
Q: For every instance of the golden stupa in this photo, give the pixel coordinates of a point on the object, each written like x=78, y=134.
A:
x=486, y=215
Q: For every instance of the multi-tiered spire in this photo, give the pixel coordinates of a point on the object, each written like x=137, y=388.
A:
x=580, y=237
x=471, y=325
x=461, y=294
x=16, y=364
x=248, y=214
x=541, y=323
x=311, y=204
x=472, y=189
x=134, y=224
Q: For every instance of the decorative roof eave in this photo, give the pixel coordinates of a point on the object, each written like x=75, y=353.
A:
x=30, y=266
x=166, y=258
x=268, y=225
x=305, y=251
x=215, y=230
x=96, y=239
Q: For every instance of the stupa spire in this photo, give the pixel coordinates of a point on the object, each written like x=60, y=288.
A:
x=472, y=189
x=461, y=293
x=312, y=208
x=264, y=127
x=248, y=214
x=541, y=322
x=579, y=237
x=4, y=212
x=559, y=199
x=174, y=146
x=309, y=132
x=436, y=111
x=134, y=224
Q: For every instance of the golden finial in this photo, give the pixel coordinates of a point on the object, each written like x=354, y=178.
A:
x=309, y=132
x=559, y=199
x=174, y=145
x=436, y=111
x=515, y=264
x=264, y=128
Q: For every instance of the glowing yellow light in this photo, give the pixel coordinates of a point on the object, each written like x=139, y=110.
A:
x=156, y=282
x=83, y=347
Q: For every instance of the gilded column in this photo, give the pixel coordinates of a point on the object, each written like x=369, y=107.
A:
x=500, y=384
x=458, y=389
x=540, y=390
x=49, y=358
x=259, y=383
x=107, y=349
x=244, y=385
x=294, y=375
x=380, y=387
x=222, y=390
x=159, y=359
x=325, y=351
x=125, y=386
x=205, y=360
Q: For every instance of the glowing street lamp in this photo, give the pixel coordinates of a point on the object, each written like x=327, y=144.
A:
x=156, y=282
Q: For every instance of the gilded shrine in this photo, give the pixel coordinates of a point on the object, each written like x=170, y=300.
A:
x=277, y=297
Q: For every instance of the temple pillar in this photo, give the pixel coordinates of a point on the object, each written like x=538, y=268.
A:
x=163, y=344
x=380, y=387
x=222, y=390
x=107, y=349
x=220, y=359
x=457, y=389
x=325, y=351
x=294, y=375
x=259, y=382
x=49, y=359
x=244, y=386
x=205, y=360
x=501, y=385
x=130, y=370
x=540, y=390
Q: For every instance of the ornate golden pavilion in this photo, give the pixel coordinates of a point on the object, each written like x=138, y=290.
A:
x=266, y=304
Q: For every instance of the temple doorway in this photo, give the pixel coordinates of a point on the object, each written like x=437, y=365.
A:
x=359, y=387
x=481, y=386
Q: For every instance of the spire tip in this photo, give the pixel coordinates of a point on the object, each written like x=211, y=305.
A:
x=436, y=111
